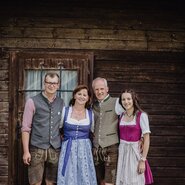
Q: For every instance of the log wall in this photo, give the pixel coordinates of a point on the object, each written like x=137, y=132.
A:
x=139, y=44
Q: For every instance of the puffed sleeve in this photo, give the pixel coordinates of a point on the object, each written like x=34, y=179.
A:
x=144, y=123
x=118, y=108
x=62, y=118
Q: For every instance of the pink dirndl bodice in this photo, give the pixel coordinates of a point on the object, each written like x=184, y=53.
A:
x=132, y=133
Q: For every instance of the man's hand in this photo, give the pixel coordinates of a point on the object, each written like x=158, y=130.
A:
x=27, y=158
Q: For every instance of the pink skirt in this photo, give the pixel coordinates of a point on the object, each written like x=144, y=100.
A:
x=148, y=174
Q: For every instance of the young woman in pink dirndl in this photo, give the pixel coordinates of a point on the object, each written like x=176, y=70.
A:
x=133, y=167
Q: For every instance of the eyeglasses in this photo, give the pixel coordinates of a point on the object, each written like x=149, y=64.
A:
x=51, y=83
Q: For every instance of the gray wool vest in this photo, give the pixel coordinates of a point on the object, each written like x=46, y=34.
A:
x=46, y=121
x=106, y=123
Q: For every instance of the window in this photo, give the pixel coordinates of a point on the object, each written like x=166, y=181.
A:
x=34, y=83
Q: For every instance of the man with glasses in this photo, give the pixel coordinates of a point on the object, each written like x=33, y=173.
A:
x=40, y=132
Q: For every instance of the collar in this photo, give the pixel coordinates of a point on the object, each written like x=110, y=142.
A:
x=47, y=97
x=105, y=99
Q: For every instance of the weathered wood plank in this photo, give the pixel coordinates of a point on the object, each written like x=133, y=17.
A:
x=166, y=36
x=91, y=44
x=170, y=172
x=156, y=99
x=67, y=33
x=167, y=141
x=73, y=44
x=168, y=130
x=4, y=96
x=3, y=180
x=4, y=150
x=88, y=19
x=166, y=151
x=4, y=170
x=4, y=75
x=53, y=22
x=123, y=65
x=3, y=160
x=146, y=98
x=167, y=161
x=87, y=33
x=3, y=63
x=4, y=86
x=135, y=56
x=169, y=181
x=162, y=109
x=168, y=120
x=3, y=128
x=4, y=117
x=143, y=87
x=3, y=139
x=166, y=46
x=142, y=76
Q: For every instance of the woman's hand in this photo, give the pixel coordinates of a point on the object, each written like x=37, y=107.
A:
x=141, y=167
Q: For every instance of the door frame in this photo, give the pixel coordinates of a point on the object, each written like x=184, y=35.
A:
x=14, y=126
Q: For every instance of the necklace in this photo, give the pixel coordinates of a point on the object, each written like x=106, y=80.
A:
x=129, y=115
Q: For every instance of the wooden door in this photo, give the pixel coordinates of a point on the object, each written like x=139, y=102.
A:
x=27, y=70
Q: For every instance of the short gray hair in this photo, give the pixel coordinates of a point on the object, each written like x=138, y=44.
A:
x=99, y=78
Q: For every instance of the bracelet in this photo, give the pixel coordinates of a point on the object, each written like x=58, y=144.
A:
x=143, y=159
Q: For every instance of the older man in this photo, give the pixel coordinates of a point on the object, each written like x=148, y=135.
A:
x=105, y=151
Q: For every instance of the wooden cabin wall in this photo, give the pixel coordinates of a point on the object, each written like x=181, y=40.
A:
x=140, y=26
x=158, y=78
x=4, y=109
x=137, y=44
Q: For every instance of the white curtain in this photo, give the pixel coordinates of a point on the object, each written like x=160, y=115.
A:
x=34, y=83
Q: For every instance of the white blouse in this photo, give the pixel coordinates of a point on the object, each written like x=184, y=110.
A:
x=73, y=121
x=144, y=123
x=118, y=108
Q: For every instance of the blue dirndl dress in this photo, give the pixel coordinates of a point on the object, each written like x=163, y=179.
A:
x=76, y=166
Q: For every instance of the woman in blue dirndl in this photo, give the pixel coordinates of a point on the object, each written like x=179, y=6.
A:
x=76, y=166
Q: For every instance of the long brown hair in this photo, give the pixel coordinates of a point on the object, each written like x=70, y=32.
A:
x=135, y=99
